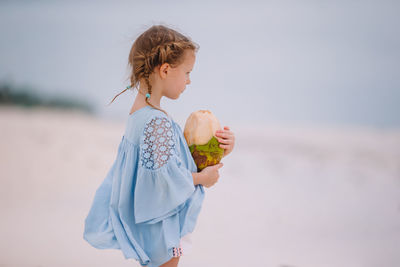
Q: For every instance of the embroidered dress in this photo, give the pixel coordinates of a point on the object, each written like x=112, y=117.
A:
x=147, y=205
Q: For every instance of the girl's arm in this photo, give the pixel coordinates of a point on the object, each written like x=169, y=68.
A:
x=197, y=178
x=208, y=176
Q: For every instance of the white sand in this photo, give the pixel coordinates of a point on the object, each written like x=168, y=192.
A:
x=286, y=197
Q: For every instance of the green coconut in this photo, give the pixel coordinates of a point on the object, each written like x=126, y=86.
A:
x=199, y=133
x=208, y=154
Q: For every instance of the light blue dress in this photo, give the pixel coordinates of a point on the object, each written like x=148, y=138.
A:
x=148, y=200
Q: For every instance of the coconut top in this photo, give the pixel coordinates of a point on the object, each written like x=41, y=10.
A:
x=200, y=127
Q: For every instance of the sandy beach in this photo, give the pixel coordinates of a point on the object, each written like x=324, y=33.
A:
x=287, y=196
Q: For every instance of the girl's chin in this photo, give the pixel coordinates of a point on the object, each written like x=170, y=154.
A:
x=176, y=96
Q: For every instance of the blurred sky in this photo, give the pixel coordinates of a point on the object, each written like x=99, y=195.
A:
x=260, y=62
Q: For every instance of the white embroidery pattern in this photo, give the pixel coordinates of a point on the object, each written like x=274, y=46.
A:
x=157, y=143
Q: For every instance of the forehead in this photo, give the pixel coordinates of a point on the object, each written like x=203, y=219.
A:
x=189, y=58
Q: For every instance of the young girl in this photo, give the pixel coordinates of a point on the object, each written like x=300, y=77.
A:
x=149, y=202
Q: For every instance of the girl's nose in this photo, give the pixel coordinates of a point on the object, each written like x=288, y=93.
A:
x=188, y=81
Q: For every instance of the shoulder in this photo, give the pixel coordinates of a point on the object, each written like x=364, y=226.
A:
x=155, y=114
x=139, y=122
x=158, y=123
x=157, y=119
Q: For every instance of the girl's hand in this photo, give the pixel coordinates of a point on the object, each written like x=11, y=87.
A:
x=227, y=140
x=210, y=175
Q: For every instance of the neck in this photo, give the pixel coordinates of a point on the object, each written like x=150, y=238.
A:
x=155, y=97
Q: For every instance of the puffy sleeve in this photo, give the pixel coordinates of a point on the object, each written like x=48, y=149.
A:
x=163, y=183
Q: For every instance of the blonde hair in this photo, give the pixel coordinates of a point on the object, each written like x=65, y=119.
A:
x=157, y=45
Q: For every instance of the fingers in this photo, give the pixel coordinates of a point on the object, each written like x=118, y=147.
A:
x=225, y=141
x=226, y=129
x=224, y=134
x=219, y=165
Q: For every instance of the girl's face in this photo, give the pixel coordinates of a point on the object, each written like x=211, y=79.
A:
x=178, y=77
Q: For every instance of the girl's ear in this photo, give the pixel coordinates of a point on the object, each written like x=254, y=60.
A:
x=164, y=68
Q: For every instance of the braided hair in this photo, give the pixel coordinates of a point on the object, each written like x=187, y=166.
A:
x=157, y=45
